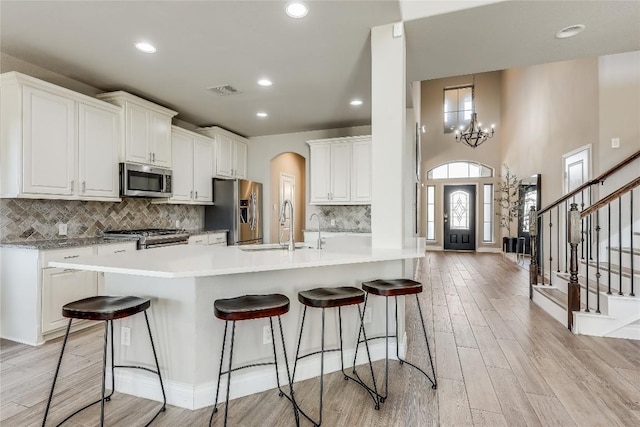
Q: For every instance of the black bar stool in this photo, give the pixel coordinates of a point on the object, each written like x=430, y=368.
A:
x=395, y=288
x=328, y=298
x=249, y=307
x=107, y=309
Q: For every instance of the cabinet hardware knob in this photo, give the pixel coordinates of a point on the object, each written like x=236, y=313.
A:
x=154, y=157
x=191, y=194
x=120, y=251
x=71, y=256
x=196, y=194
x=84, y=186
x=149, y=156
x=73, y=182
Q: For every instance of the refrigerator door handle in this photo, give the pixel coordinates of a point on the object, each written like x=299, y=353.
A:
x=253, y=219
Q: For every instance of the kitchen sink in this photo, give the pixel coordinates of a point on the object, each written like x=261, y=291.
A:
x=272, y=247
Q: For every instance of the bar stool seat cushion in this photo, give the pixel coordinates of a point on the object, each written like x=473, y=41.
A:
x=393, y=287
x=331, y=297
x=105, y=307
x=251, y=307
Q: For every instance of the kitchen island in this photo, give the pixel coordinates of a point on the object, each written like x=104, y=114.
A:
x=183, y=282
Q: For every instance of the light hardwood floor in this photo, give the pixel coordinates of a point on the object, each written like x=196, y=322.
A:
x=500, y=361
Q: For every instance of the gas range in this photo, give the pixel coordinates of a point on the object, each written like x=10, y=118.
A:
x=150, y=237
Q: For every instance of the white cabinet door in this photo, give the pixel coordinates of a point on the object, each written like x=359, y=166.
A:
x=60, y=287
x=182, y=178
x=202, y=170
x=98, y=141
x=340, y=172
x=136, y=137
x=224, y=167
x=240, y=159
x=49, y=143
x=160, y=140
x=320, y=171
x=361, y=174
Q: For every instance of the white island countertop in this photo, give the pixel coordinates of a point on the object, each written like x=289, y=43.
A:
x=201, y=261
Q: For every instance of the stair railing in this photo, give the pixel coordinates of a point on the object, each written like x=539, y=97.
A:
x=581, y=226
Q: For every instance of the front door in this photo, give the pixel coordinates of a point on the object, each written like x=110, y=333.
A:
x=460, y=217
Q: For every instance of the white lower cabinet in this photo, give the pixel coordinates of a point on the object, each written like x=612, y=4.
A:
x=33, y=293
x=60, y=287
x=214, y=239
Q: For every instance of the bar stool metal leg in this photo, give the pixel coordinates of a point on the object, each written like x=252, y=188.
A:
x=55, y=376
x=286, y=362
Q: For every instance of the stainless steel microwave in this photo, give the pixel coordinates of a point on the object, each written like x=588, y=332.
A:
x=144, y=181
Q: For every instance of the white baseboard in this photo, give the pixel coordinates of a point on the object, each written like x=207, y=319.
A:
x=254, y=380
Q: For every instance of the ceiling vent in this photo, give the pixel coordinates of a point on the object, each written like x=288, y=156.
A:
x=224, y=90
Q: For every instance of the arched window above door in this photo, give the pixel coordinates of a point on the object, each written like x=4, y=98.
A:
x=460, y=169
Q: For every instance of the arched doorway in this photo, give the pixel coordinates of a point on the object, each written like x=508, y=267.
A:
x=288, y=180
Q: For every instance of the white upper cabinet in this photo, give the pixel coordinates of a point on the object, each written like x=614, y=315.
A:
x=361, y=171
x=99, y=134
x=340, y=171
x=49, y=144
x=239, y=159
x=147, y=129
x=193, y=160
x=231, y=155
x=203, y=160
x=56, y=143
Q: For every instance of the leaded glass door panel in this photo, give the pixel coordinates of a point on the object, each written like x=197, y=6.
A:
x=460, y=217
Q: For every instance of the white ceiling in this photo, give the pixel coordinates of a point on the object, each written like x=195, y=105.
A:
x=317, y=64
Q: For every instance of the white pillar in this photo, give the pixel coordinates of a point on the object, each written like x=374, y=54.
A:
x=388, y=103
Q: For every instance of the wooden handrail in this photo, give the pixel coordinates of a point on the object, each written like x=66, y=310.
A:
x=604, y=201
x=594, y=181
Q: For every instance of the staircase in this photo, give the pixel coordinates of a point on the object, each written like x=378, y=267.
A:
x=585, y=267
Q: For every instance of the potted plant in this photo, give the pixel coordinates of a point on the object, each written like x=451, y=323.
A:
x=509, y=201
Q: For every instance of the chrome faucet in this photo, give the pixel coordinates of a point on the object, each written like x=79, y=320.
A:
x=291, y=246
x=319, y=244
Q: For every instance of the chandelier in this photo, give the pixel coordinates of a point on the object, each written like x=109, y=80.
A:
x=474, y=135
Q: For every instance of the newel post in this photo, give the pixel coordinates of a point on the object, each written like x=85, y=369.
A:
x=533, y=234
x=574, y=237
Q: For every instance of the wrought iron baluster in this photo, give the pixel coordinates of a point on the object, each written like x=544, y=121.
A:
x=609, y=248
x=582, y=225
x=597, y=265
x=533, y=267
x=566, y=227
x=620, y=245
x=541, y=246
x=558, y=237
x=631, y=254
x=590, y=251
x=550, y=248
x=588, y=245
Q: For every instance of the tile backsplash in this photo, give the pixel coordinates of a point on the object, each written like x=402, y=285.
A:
x=352, y=218
x=31, y=219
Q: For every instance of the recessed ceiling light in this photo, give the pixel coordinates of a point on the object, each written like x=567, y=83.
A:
x=356, y=102
x=264, y=82
x=145, y=47
x=296, y=9
x=261, y=114
x=570, y=31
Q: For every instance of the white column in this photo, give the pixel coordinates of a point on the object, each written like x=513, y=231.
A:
x=388, y=103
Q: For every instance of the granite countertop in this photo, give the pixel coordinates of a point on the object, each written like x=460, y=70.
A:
x=338, y=230
x=84, y=241
x=61, y=243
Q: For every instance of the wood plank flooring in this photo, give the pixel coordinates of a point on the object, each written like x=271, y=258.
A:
x=500, y=361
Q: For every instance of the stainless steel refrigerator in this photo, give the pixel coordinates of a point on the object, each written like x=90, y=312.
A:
x=237, y=207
